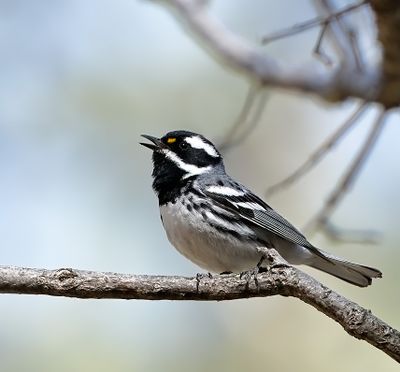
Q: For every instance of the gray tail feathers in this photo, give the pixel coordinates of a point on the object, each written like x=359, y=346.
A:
x=350, y=272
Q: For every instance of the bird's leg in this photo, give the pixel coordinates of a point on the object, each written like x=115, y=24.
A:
x=253, y=273
x=248, y=275
x=199, y=277
x=267, y=255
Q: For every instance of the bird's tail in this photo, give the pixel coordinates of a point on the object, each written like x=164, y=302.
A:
x=353, y=273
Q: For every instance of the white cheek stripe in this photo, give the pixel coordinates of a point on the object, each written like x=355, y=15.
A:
x=197, y=143
x=190, y=169
x=224, y=190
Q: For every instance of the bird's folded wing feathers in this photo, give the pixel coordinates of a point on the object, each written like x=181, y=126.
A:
x=254, y=210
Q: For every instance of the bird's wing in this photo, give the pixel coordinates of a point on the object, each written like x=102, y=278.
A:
x=255, y=211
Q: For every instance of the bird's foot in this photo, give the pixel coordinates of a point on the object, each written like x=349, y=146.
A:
x=199, y=277
x=253, y=273
x=249, y=275
x=269, y=259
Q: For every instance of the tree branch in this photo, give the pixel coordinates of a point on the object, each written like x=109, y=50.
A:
x=281, y=280
x=334, y=84
x=311, y=23
x=388, y=21
x=341, y=189
x=339, y=35
x=319, y=154
x=318, y=51
x=249, y=117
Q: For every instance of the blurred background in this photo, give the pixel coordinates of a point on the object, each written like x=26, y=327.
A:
x=79, y=82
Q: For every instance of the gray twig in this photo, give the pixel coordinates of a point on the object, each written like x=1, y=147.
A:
x=317, y=51
x=343, y=235
x=319, y=154
x=311, y=23
x=345, y=45
x=248, y=118
x=281, y=280
x=334, y=84
x=320, y=220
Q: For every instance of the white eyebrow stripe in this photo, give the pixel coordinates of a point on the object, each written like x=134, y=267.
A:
x=190, y=169
x=197, y=143
x=224, y=190
x=250, y=205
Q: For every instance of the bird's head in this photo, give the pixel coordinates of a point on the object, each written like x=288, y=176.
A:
x=181, y=155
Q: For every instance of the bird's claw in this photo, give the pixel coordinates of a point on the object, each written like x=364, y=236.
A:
x=248, y=275
x=253, y=273
x=199, y=277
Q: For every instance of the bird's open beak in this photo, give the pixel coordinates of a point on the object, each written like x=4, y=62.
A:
x=156, y=145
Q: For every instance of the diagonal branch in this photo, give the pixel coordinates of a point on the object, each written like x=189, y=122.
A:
x=281, y=280
x=319, y=154
x=317, y=51
x=345, y=45
x=351, y=175
x=311, y=23
x=345, y=235
x=249, y=117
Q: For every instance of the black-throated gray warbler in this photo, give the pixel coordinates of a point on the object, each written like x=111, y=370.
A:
x=218, y=223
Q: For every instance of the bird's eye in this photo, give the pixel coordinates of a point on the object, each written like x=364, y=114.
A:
x=184, y=145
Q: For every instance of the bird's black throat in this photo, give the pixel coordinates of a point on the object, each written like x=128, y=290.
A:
x=168, y=179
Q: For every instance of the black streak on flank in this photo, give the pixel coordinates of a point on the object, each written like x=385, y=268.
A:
x=196, y=207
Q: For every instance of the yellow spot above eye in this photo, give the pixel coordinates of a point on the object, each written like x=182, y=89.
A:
x=171, y=140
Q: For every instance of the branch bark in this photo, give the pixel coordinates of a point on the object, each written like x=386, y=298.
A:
x=281, y=280
x=388, y=21
x=380, y=83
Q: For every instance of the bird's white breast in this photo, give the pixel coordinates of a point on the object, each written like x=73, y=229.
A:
x=215, y=251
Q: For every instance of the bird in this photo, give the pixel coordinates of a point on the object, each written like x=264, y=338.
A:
x=218, y=223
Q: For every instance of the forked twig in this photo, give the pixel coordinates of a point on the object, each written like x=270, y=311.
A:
x=317, y=51
x=319, y=154
x=321, y=219
x=342, y=35
x=344, y=235
x=304, y=26
x=244, y=57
